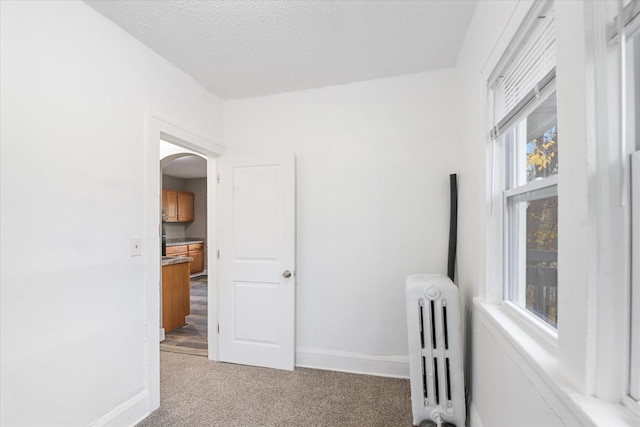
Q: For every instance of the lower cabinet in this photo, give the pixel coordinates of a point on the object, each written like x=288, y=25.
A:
x=175, y=295
x=195, y=251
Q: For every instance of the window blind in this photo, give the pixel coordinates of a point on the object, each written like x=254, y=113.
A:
x=526, y=71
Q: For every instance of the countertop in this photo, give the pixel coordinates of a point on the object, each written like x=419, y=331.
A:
x=184, y=241
x=170, y=260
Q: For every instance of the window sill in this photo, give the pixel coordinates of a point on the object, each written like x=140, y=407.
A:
x=537, y=355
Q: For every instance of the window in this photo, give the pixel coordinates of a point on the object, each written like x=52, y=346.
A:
x=525, y=128
x=531, y=217
x=590, y=303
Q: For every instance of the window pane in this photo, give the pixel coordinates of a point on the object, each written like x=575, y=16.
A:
x=533, y=145
x=533, y=252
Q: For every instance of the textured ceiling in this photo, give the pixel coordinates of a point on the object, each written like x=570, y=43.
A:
x=250, y=48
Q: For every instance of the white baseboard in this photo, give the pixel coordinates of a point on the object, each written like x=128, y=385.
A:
x=162, y=336
x=128, y=413
x=474, y=418
x=202, y=273
x=384, y=366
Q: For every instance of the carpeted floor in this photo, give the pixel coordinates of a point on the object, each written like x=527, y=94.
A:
x=198, y=392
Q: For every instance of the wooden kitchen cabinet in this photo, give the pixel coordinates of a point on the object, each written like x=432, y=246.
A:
x=185, y=206
x=177, y=205
x=170, y=205
x=196, y=251
x=175, y=295
x=179, y=250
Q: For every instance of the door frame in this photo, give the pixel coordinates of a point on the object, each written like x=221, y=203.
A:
x=158, y=128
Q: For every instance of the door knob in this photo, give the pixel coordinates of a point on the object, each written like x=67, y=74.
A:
x=286, y=274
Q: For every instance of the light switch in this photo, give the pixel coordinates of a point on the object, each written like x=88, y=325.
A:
x=136, y=247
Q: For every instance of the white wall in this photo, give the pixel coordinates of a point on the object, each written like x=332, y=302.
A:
x=373, y=165
x=75, y=93
x=173, y=183
x=197, y=228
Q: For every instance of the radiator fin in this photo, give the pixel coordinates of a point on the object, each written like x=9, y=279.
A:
x=436, y=377
x=445, y=328
x=433, y=323
x=425, y=388
x=448, y=380
x=421, y=316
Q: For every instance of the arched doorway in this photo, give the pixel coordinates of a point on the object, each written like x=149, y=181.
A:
x=184, y=182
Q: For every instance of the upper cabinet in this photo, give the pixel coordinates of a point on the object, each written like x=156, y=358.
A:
x=177, y=205
x=170, y=205
x=185, y=206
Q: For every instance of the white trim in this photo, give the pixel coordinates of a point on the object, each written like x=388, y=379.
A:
x=538, y=361
x=212, y=260
x=129, y=412
x=533, y=322
x=162, y=335
x=534, y=185
x=152, y=256
x=179, y=135
x=356, y=363
x=157, y=128
x=474, y=417
x=201, y=273
x=634, y=406
x=634, y=292
x=630, y=21
x=518, y=15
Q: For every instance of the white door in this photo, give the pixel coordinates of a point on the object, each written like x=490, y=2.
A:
x=257, y=260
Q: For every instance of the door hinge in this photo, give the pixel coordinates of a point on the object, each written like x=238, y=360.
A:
x=218, y=253
x=218, y=178
x=218, y=327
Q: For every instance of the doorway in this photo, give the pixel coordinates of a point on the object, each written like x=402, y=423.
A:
x=158, y=128
x=184, y=231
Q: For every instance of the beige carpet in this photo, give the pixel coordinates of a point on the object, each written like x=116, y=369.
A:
x=198, y=392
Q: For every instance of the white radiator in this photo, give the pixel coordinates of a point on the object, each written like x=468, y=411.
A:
x=435, y=350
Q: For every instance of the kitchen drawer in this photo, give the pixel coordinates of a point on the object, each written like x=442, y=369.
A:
x=196, y=247
x=177, y=250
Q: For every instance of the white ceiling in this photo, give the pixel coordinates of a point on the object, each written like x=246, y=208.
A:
x=187, y=167
x=240, y=49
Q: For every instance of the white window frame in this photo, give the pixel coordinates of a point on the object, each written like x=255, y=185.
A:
x=633, y=398
x=632, y=130
x=624, y=37
x=514, y=257
x=500, y=193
